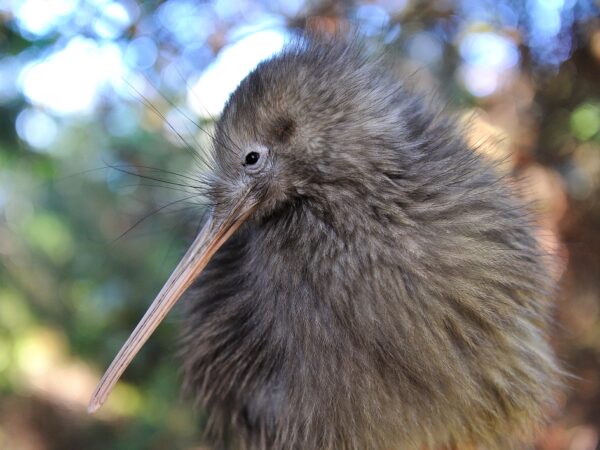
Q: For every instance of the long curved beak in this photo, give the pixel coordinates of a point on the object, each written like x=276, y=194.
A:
x=212, y=236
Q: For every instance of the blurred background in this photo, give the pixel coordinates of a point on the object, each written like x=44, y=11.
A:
x=99, y=106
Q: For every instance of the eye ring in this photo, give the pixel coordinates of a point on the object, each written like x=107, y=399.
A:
x=255, y=159
x=252, y=158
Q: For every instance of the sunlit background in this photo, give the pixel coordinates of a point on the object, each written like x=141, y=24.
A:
x=100, y=103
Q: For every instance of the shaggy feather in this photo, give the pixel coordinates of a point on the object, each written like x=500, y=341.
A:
x=388, y=293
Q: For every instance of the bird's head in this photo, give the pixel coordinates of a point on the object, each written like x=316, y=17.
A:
x=311, y=123
x=317, y=115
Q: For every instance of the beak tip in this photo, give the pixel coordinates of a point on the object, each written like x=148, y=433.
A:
x=93, y=406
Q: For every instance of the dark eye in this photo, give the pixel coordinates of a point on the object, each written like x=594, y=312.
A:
x=252, y=158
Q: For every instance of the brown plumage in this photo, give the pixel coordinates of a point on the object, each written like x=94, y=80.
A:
x=385, y=289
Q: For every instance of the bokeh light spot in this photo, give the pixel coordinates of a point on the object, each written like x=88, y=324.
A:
x=141, y=53
x=372, y=19
x=69, y=80
x=488, y=58
x=36, y=128
x=585, y=121
x=479, y=81
x=209, y=94
x=489, y=50
x=39, y=17
x=425, y=47
x=187, y=20
x=113, y=20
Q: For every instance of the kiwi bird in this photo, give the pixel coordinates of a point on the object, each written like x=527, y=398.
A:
x=365, y=279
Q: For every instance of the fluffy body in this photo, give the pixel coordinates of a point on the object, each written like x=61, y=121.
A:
x=388, y=293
